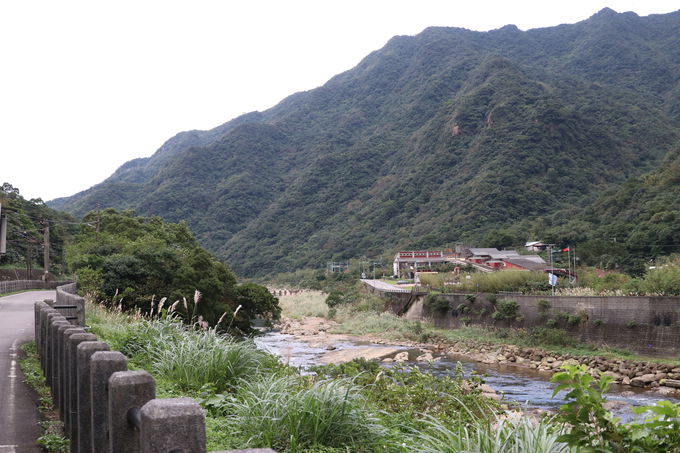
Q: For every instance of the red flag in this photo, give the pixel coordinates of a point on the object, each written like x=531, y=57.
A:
x=565, y=250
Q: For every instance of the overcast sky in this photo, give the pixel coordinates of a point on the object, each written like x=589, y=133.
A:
x=88, y=85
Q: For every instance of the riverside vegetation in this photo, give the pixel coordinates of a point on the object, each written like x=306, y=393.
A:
x=252, y=400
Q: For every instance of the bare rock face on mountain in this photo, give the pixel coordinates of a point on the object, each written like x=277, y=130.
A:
x=450, y=135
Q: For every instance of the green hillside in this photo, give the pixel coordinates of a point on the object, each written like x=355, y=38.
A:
x=447, y=136
x=26, y=223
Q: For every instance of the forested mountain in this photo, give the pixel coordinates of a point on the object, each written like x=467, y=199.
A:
x=26, y=224
x=450, y=135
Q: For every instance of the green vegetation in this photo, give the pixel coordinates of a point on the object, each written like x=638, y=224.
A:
x=593, y=428
x=438, y=303
x=52, y=439
x=253, y=401
x=506, y=309
x=26, y=221
x=138, y=263
x=571, y=137
x=304, y=303
x=362, y=407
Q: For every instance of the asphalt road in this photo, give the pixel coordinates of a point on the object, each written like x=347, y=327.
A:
x=18, y=410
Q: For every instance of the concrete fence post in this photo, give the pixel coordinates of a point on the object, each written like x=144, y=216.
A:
x=40, y=346
x=127, y=390
x=57, y=364
x=65, y=388
x=49, y=345
x=84, y=353
x=102, y=365
x=37, y=308
x=72, y=362
x=59, y=390
x=172, y=424
x=43, y=335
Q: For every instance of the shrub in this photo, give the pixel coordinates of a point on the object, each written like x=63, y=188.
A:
x=507, y=309
x=543, y=304
x=551, y=322
x=593, y=428
x=632, y=324
x=573, y=319
x=334, y=299
x=436, y=303
x=470, y=298
x=562, y=316
x=598, y=322
x=462, y=308
x=550, y=336
x=492, y=298
x=465, y=320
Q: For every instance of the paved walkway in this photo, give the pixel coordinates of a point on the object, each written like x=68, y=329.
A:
x=18, y=411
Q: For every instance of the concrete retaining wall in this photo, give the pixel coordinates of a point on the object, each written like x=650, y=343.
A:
x=105, y=407
x=644, y=324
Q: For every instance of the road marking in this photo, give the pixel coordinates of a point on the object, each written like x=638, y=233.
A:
x=7, y=448
x=12, y=383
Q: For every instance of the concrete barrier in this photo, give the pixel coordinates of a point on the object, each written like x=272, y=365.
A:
x=644, y=324
x=104, y=407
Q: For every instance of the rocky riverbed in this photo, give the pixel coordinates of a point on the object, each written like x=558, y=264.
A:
x=664, y=379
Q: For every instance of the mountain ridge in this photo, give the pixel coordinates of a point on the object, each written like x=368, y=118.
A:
x=435, y=138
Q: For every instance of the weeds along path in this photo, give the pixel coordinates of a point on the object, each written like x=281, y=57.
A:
x=18, y=409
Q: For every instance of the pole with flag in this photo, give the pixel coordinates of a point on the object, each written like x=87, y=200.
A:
x=568, y=250
x=552, y=278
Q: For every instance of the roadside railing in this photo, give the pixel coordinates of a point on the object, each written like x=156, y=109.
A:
x=105, y=407
x=10, y=286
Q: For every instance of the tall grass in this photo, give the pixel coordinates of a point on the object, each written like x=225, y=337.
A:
x=205, y=357
x=507, y=280
x=378, y=323
x=288, y=414
x=522, y=435
x=306, y=303
x=190, y=358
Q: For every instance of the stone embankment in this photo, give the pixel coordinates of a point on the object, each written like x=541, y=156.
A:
x=663, y=377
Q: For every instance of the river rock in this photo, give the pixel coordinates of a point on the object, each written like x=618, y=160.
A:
x=489, y=392
x=401, y=357
x=642, y=381
x=388, y=360
x=664, y=390
x=672, y=383
x=612, y=405
x=425, y=357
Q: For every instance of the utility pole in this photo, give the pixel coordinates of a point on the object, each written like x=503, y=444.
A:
x=46, y=246
x=552, y=268
x=3, y=232
x=29, y=257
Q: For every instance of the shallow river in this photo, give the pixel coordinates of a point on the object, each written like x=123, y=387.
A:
x=529, y=388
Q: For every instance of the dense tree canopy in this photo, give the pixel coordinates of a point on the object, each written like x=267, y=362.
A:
x=134, y=262
x=26, y=223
